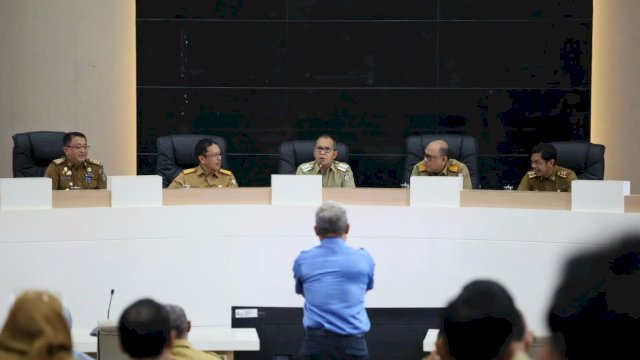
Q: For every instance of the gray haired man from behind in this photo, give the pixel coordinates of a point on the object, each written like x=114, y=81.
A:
x=182, y=348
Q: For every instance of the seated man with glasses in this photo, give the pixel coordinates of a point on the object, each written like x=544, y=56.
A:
x=437, y=163
x=209, y=172
x=334, y=173
x=75, y=171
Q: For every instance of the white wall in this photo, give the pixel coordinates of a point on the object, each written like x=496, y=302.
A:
x=210, y=257
x=69, y=65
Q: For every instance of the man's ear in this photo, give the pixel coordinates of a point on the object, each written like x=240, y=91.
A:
x=201, y=159
x=188, y=326
x=315, y=229
x=346, y=230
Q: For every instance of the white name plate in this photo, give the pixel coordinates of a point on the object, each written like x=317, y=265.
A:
x=296, y=189
x=135, y=191
x=25, y=193
x=599, y=195
x=435, y=191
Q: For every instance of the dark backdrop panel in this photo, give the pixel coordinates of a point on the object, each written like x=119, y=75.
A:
x=201, y=53
x=362, y=10
x=515, y=10
x=207, y=9
x=362, y=53
x=510, y=73
x=515, y=54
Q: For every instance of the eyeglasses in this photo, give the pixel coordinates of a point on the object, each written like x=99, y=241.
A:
x=324, y=149
x=214, y=155
x=428, y=157
x=79, y=147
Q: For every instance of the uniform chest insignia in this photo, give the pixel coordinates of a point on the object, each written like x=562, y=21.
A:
x=454, y=168
x=233, y=181
x=68, y=172
x=59, y=161
x=563, y=174
x=347, y=177
x=94, y=162
x=306, y=166
x=189, y=171
x=226, y=172
x=88, y=169
x=422, y=167
x=342, y=166
x=531, y=174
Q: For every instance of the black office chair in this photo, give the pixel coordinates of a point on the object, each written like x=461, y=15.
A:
x=296, y=152
x=461, y=147
x=33, y=152
x=175, y=153
x=584, y=158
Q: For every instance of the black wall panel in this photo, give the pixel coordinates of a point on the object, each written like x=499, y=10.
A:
x=510, y=73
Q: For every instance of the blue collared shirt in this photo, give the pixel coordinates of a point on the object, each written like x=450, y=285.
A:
x=333, y=279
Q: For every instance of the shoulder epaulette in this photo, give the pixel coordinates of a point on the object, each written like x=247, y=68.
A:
x=453, y=168
x=306, y=166
x=342, y=166
x=422, y=167
x=226, y=172
x=189, y=171
x=93, y=161
x=563, y=173
x=58, y=161
x=531, y=174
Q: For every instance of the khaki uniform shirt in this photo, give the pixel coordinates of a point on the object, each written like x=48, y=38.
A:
x=452, y=168
x=338, y=175
x=182, y=350
x=196, y=178
x=86, y=175
x=560, y=181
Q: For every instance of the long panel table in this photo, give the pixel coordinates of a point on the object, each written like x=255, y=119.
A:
x=210, y=249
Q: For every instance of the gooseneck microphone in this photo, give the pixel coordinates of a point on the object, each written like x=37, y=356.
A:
x=110, y=298
x=94, y=332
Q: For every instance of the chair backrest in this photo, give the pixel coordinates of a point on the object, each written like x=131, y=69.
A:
x=584, y=158
x=109, y=341
x=33, y=152
x=461, y=147
x=296, y=152
x=175, y=153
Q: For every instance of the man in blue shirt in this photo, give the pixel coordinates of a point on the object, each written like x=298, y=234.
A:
x=333, y=279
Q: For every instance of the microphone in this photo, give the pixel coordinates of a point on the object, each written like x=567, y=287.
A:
x=94, y=332
x=110, y=298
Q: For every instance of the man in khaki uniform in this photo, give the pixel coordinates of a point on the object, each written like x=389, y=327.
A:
x=437, y=163
x=545, y=175
x=75, y=171
x=182, y=348
x=334, y=173
x=209, y=172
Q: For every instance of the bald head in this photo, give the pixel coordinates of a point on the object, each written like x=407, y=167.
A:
x=439, y=147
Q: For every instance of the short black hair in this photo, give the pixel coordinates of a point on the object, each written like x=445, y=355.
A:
x=202, y=147
x=546, y=150
x=479, y=324
x=595, y=312
x=66, y=139
x=145, y=329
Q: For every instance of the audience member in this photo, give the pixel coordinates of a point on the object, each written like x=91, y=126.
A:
x=209, y=172
x=35, y=329
x=333, y=279
x=595, y=313
x=437, y=163
x=334, y=173
x=145, y=331
x=181, y=326
x=75, y=171
x=482, y=323
x=545, y=174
